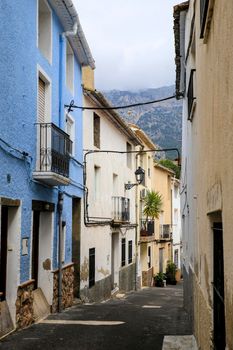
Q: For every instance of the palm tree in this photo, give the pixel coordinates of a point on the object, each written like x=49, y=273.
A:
x=152, y=205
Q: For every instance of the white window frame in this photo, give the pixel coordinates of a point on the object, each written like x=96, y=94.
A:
x=48, y=92
x=71, y=120
x=50, y=55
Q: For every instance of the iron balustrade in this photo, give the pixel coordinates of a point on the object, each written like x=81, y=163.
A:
x=165, y=232
x=190, y=93
x=147, y=227
x=55, y=148
x=203, y=14
x=120, y=209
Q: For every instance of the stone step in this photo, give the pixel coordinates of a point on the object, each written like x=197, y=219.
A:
x=41, y=307
x=6, y=324
x=179, y=342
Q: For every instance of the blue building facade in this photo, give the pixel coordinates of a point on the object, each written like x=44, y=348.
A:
x=42, y=50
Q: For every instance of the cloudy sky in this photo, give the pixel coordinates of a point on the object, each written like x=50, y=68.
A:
x=131, y=42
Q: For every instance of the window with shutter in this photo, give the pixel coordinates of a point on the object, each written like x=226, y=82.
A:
x=41, y=101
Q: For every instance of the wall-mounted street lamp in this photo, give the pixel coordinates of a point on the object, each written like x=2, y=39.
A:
x=139, y=174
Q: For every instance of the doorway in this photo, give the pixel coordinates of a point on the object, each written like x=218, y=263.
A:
x=115, y=260
x=161, y=250
x=76, y=223
x=218, y=287
x=35, y=247
x=3, y=252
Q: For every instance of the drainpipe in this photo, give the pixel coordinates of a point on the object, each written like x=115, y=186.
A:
x=61, y=79
x=62, y=63
x=59, y=208
x=62, y=66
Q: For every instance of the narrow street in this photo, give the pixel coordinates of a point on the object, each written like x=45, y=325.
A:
x=138, y=320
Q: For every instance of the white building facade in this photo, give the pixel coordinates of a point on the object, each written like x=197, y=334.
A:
x=107, y=245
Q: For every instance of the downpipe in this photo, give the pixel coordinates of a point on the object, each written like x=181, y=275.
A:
x=60, y=208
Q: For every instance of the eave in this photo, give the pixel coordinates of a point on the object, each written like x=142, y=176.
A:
x=68, y=17
x=176, y=14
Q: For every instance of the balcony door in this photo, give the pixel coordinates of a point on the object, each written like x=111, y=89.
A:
x=35, y=246
x=161, y=250
x=3, y=252
x=41, y=101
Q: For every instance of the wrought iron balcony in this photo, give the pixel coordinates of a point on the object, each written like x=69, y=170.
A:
x=165, y=232
x=120, y=210
x=53, y=155
x=147, y=230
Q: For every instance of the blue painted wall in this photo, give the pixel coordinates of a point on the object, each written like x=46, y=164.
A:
x=18, y=114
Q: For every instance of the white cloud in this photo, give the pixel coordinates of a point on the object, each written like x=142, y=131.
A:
x=131, y=41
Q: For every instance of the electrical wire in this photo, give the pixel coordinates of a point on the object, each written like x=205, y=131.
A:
x=72, y=105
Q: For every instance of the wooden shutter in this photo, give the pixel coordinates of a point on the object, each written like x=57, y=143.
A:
x=41, y=101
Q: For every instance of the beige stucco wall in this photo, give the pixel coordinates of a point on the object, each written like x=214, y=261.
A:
x=209, y=139
x=157, y=179
x=161, y=182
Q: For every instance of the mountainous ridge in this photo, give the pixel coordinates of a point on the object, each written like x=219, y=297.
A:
x=162, y=121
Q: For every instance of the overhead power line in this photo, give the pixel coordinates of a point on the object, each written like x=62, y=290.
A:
x=72, y=105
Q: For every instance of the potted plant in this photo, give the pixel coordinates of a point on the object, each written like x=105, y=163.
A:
x=171, y=273
x=159, y=279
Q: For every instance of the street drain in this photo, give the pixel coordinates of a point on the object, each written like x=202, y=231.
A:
x=84, y=323
x=151, y=307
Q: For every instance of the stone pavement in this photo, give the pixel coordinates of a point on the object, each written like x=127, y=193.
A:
x=137, y=320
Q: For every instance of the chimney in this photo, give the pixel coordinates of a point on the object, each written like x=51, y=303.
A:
x=88, y=78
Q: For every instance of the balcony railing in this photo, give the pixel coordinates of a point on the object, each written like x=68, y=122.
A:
x=165, y=232
x=147, y=228
x=203, y=15
x=53, y=153
x=120, y=209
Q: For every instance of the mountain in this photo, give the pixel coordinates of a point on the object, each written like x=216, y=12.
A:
x=161, y=121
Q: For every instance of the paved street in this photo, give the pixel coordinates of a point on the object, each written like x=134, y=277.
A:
x=134, y=321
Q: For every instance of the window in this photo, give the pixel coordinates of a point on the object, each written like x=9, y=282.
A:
x=43, y=97
x=191, y=95
x=123, y=252
x=130, y=251
x=97, y=182
x=115, y=184
x=142, y=162
x=149, y=165
x=129, y=155
x=45, y=29
x=149, y=257
x=91, y=267
x=70, y=130
x=203, y=15
x=96, y=130
x=69, y=68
